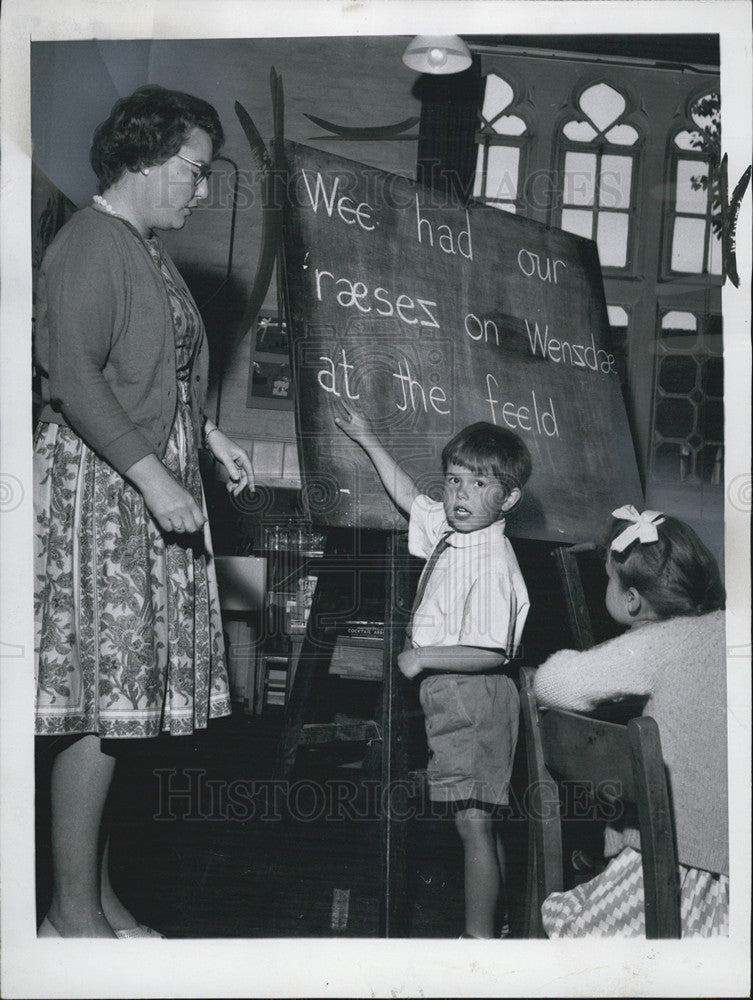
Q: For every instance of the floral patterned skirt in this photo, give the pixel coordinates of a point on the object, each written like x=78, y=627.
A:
x=611, y=905
x=128, y=634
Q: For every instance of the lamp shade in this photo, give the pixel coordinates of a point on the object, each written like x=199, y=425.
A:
x=437, y=54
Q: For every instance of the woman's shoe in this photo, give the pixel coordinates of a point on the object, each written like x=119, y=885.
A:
x=139, y=931
x=47, y=929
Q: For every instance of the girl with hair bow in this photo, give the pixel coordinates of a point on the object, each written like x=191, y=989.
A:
x=665, y=588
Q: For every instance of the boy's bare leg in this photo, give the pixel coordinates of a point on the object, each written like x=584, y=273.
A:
x=502, y=859
x=482, y=871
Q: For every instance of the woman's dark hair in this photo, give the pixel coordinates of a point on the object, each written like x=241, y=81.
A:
x=487, y=449
x=148, y=128
x=676, y=574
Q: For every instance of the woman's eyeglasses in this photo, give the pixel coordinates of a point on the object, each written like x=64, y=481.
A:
x=204, y=169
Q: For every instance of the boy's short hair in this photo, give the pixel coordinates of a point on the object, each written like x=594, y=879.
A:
x=487, y=449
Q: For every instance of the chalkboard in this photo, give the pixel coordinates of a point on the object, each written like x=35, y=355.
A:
x=428, y=316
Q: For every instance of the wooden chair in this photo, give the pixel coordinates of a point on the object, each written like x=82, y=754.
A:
x=584, y=581
x=574, y=747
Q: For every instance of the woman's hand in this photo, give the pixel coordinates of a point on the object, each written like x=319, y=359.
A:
x=235, y=459
x=169, y=503
x=409, y=664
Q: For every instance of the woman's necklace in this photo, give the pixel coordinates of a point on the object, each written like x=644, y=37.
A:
x=104, y=205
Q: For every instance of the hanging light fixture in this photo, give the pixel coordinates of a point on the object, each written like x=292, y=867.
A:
x=437, y=54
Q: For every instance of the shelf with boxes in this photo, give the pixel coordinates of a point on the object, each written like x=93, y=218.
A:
x=265, y=599
x=267, y=536
x=292, y=550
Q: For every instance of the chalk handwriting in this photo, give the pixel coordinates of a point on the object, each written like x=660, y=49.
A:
x=413, y=311
x=447, y=241
x=564, y=352
x=535, y=418
x=530, y=264
x=478, y=330
x=327, y=377
x=412, y=389
x=347, y=210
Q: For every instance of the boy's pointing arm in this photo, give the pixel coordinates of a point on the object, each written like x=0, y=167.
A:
x=398, y=484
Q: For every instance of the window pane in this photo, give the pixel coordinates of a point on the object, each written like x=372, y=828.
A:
x=580, y=178
x=497, y=95
x=612, y=233
x=705, y=111
x=714, y=326
x=711, y=422
x=712, y=380
x=687, y=140
x=602, y=104
x=687, y=245
x=671, y=461
x=677, y=374
x=579, y=223
x=675, y=418
x=580, y=131
x=618, y=317
x=614, y=181
x=715, y=255
x=690, y=201
x=618, y=327
x=622, y=135
x=678, y=324
x=502, y=172
x=509, y=125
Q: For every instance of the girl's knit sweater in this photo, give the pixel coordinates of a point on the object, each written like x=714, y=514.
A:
x=680, y=665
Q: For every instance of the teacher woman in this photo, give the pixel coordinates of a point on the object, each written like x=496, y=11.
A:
x=128, y=633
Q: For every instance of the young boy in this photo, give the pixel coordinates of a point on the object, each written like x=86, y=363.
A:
x=467, y=619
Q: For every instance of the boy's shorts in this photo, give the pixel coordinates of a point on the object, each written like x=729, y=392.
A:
x=472, y=730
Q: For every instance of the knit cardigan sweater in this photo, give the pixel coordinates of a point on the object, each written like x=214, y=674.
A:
x=104, y=341
x=680, y=665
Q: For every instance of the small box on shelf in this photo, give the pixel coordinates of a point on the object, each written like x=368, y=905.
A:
x=301, y=539
x=274, y=673
x=241, y=658
x=359, y=659
x=359, y=649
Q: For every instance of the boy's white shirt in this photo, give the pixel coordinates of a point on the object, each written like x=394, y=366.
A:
x=476, y=595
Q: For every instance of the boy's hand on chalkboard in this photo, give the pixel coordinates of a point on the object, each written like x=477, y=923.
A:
x=355, y=425
x=409, y=663
x=399, y=485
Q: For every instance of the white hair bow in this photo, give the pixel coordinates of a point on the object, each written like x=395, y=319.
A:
x=643, y=527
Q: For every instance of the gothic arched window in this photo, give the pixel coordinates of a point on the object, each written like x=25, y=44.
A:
x=694, y=209
x=597, y=157
x=501, y=140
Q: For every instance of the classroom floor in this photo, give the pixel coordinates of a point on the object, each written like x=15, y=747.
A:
x=205, y=843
